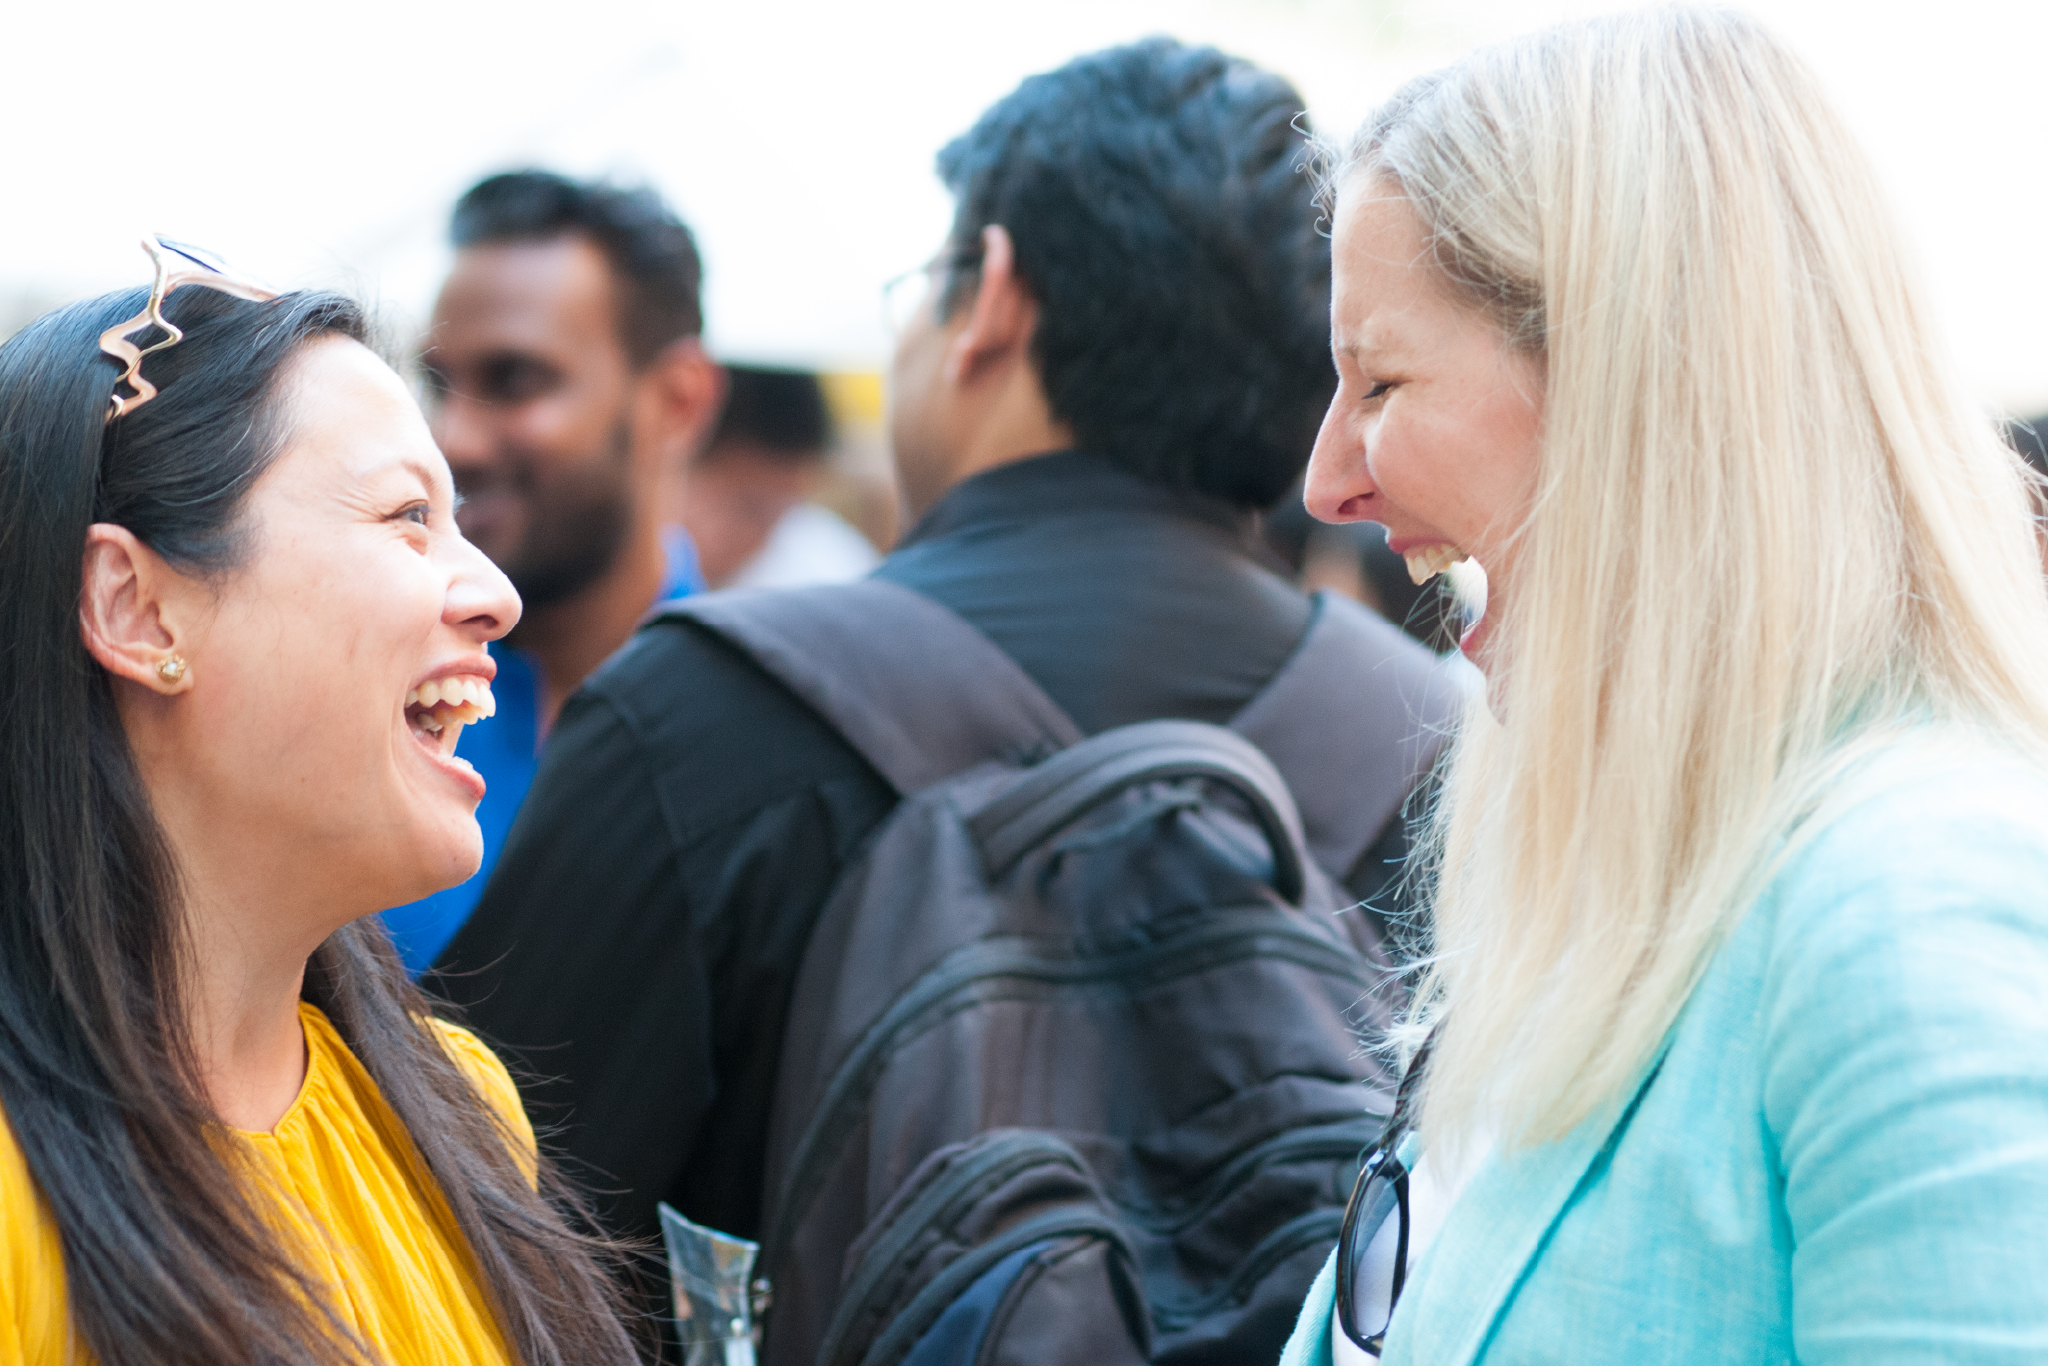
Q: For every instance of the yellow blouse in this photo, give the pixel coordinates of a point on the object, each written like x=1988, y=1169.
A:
x=367, y=1216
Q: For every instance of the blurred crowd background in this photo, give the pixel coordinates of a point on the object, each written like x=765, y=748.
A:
x=323, y=145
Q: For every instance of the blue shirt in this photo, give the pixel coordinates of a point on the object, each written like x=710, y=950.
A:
x=505, y=749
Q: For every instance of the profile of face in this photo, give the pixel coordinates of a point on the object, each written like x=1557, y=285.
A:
x=532, y=401
x=328, y=675
x=922, y=426
x=1436, y=426
x=962, y=381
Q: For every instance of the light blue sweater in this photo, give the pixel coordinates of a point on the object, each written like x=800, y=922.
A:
x=1842, y=1154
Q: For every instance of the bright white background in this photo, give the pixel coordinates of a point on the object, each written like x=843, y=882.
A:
x=324, y=143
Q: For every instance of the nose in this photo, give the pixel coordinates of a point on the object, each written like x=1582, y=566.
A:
x=481, y=601
x=1338, y=487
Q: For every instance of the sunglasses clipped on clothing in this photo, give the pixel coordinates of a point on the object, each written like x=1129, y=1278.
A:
x=1374, y=1243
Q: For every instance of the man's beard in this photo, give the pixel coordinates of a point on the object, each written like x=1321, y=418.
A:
x=576, y=522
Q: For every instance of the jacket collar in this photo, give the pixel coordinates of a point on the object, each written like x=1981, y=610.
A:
x=1067, y=483
x=1495, y=1229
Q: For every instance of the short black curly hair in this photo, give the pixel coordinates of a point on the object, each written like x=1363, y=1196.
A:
x=652, y=254
x=1162, y=219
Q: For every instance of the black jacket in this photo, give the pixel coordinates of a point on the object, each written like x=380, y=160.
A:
x=637, y=943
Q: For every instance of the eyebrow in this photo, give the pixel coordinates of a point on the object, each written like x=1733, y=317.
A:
x=1380, y=347
x=417, y=467
x=414, y=466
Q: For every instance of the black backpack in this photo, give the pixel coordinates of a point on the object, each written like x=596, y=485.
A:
x=1073, y=1070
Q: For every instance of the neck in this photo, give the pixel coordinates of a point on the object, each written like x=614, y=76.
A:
x=572, y=636
x=250, y=918
x=242, y=1004
x=252, y=906
x=1015, y=424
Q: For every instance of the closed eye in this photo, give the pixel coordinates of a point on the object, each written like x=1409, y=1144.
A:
x=1376, y=391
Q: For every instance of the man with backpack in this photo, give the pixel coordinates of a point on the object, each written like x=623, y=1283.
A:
x=1115, y=361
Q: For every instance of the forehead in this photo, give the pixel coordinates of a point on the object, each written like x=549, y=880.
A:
x=1382, y=270
x=350, y=416
x=546, y=296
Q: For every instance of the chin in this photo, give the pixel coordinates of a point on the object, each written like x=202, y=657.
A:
x=446, y=850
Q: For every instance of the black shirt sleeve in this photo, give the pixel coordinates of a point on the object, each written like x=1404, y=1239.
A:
x=635, y=949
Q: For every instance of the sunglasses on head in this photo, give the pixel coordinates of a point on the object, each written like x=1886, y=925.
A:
x=176, y=264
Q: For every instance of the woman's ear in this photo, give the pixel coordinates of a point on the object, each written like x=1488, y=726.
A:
x=122, y=612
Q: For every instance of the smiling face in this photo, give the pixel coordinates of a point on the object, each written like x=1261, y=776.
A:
x=331, y=670
x=1435, y=429
x=533, y=397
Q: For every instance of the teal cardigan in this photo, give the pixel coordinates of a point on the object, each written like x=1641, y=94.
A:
x=1841, y=1154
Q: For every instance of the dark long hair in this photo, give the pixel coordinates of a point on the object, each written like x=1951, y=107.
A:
x=169, y=1258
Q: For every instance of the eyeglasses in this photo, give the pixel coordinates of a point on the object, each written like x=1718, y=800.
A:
x=204, y=268
x=905, y=296
x=1369, y=1282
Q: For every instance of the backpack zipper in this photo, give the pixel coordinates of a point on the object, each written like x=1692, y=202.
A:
x=942, y=1203
x=925, y=1307
x=1304, y=1230
x=1308, y=1143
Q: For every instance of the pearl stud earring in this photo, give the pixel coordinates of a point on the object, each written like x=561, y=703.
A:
x=172, y=669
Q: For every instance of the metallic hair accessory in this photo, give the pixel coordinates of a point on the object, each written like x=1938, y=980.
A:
x=172, y=669
x=202, y=271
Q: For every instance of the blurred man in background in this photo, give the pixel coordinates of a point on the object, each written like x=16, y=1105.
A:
x=1117, y=358
x=746, y=499
x=565, y=375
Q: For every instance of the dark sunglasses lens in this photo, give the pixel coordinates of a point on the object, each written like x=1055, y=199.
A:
x=199, y=256
x=1369, y=1258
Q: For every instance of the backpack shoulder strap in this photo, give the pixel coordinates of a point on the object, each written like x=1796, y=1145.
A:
x=1352, y=721
x=914, y=687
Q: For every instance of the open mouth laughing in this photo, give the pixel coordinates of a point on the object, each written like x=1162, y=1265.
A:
x=439, y=708
x=1426, y=562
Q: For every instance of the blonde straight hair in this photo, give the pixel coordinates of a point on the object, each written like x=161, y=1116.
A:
x=1771, y=530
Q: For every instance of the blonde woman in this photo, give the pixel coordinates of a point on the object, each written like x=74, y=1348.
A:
x=1738, y=1023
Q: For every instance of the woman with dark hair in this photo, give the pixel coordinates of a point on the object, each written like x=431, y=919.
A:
x=241, y=635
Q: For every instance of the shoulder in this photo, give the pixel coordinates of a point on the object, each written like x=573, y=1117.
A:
x=490, y=1077
x=1903, y=1037
x=33, y=1316
x=1900, y=954
x=20, y=1206
x=1938, y=827
x=687, y=705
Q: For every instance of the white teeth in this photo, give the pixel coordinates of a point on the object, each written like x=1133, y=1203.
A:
x=441, y=707
x=1431, y=560
x=467, y=694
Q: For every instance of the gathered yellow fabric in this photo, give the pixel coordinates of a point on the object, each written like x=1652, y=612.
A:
x=350, y=1193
